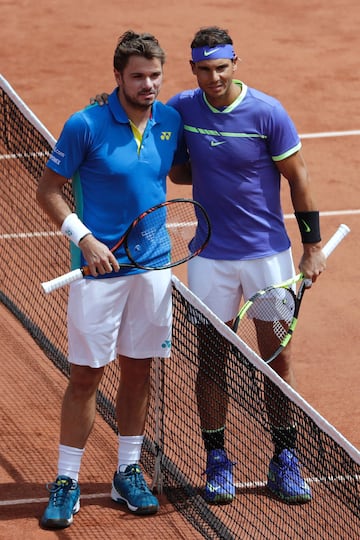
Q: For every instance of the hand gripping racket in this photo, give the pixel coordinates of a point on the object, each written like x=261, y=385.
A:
x=267, y=321
x=166, y=235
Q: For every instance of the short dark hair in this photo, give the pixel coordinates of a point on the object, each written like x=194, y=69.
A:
x=133, y=44
x=210, y=36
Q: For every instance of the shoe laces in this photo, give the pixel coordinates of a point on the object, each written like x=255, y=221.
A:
x=218, y=464
x=134, y=473
x=59, y=489
x=289, y=465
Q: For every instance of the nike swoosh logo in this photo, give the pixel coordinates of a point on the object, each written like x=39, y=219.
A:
x=208, y=53
x=217, y=143
x=213, y=488
x=307, y=228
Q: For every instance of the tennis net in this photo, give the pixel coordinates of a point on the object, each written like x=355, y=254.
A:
x=32, y=251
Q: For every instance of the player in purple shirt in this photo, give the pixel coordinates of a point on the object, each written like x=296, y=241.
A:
x=240, y=142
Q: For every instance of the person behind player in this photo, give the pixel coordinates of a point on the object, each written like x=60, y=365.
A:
x=241, y=141
x=118, y=160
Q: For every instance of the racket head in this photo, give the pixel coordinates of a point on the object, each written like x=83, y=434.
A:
x=266, y=322
x=167, y=235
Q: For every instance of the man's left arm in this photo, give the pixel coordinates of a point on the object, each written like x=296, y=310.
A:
x=294, y=169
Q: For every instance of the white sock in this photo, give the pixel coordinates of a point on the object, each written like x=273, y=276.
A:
x=129, y=451
x=70, y=461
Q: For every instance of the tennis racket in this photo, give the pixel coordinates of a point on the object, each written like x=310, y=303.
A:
x=166, y=235
x=267, y=321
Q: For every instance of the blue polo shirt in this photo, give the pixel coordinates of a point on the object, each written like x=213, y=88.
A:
x=233, y=153
x=113, y=179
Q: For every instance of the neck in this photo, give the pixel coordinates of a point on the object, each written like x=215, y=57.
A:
x=138, y=115
x=139, y=119
x=226, y=99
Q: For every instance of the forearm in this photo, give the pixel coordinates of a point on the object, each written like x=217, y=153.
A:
x=312, y=262
x=302, y=197
x=54, y=205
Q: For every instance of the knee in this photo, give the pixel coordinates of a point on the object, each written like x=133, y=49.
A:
x=84, y=380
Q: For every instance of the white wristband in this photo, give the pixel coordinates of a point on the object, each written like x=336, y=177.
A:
x=74, y=228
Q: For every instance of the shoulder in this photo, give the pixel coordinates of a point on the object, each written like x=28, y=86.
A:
x=262, y=97
x=88, y=116
x=166, y=112
x=264, y=100
x=184, y=98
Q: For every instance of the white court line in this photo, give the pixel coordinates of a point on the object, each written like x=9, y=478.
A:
x=329, y=134
x=320, y=135
x=330, y=213
x=12, y=236
x=238, y=485
x=87, y=496
x=314, y=480
x=25, y=155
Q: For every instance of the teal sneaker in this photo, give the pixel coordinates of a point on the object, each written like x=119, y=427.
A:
x=285, y=480
x=64, y=502
x=219, y=487
x=130, y=487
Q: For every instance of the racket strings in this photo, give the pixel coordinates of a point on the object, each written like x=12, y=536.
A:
x=267, y=321
x=167, y=235
x=280, y=330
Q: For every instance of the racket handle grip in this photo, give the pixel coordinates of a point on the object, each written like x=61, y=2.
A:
x=61, y=281
x=335, y=240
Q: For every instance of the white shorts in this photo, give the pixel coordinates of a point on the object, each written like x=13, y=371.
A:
x=221, y=285
x=130, y=316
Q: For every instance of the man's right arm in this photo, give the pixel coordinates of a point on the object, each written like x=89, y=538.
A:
x=49, y=195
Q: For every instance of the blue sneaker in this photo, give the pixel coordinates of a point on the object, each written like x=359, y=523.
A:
x=64, y=502
x=219, y=487
x=285, y=480
x=130, y=487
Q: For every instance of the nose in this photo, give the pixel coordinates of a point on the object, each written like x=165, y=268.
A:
x=148, y=82
x=214, y=76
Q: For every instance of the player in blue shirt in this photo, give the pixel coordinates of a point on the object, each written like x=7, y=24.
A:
x=118, y=158
x=240, y=142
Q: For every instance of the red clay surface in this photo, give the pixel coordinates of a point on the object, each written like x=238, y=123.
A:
x=57, y=55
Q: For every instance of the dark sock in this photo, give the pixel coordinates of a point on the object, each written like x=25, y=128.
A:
x=214, y=439
x=283, y=437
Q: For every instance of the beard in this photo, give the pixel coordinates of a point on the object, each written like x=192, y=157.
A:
x=139, y=102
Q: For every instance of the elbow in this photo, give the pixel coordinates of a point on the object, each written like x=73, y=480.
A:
x=40, y=194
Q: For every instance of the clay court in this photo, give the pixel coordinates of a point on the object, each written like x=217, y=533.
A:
x=305, y=53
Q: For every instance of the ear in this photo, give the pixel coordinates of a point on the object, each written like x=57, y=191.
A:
x=117, y=76
x=193, y=68
x=235, y=64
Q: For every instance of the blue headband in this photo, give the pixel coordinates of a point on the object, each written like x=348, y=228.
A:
x=211, y=53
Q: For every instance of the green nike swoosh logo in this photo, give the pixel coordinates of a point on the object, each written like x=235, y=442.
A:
x=217, y=143
x=307, y=228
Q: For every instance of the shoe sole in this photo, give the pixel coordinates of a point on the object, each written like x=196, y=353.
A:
x=60, y=523
x=295, y=499
x=145, y=510
x=220, y=499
